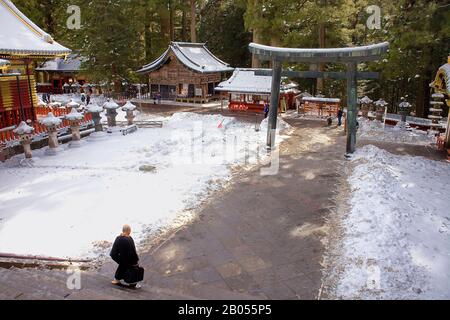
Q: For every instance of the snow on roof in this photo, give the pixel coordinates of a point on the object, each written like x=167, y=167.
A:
x=71, y=64
x=366, y=100
x=303, y=94
x=73, y=104
x=446, y=69
x=129, y=107
x=245, y=81
x=94, y=108
x=438, y=96
x=50, y=120
x=195, y=56
x=110, y=105
x=318, y=99
x=20, y=36
x=23, y=128
x=381, y=103
x=4, y=63
x=74, y=115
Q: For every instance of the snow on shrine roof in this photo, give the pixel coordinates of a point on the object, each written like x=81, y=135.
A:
x=195, y=56
x=20, y=36
x=245, y=81
x=318, y=99
x=4, y=63
x=71, y=64
x=446, y=70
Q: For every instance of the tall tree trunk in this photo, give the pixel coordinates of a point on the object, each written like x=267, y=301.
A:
x=171, y=22
x=193, y=21
x=184, y=25
x=165, y=24
x=321, y=66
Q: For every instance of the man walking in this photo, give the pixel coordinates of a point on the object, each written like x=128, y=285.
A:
x=339, y=116
x=124, y=253
x=266, y=110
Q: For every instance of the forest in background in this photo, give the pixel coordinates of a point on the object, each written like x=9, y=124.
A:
x=119, y=36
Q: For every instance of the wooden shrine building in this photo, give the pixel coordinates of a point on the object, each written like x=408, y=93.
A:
x=246, y=90
x=186, y=72
x=22, y=43
x=60, y=75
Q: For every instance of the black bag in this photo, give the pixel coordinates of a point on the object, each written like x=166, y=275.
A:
x=134, y=274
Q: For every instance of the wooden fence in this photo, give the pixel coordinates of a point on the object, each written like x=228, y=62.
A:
x=7, y=134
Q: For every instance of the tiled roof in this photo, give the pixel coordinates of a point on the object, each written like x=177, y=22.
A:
x=20, y=36
x=195, y=56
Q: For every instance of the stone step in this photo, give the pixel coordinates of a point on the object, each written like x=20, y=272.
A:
x=47, y=282
x=95, y=282
x=27, y=288
x=51, y=284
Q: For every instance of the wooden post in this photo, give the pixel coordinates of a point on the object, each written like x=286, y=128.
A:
x=351, y=106
x=274, y=101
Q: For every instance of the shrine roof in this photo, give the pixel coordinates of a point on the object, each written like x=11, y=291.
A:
x=195, y=56
x=19, y=36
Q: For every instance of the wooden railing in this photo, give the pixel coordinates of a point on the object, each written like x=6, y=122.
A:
x=8, y=135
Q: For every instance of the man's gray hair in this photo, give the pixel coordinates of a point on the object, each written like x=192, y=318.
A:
x=126, y=229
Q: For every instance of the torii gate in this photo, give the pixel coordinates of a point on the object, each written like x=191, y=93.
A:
x=349, y=56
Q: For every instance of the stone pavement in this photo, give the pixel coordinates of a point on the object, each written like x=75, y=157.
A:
x=261, y=238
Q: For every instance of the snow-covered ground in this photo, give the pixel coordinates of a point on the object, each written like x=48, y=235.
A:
x=73, y=204
x=396, y=241
x=376, y=131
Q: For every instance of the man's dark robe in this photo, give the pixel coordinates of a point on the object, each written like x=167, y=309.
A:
x=124, y=253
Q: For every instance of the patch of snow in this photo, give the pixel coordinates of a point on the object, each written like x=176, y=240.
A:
x=94, y=108
x=376, y=131
x=50, y=120
x=129, y=106
x=81, y=197
x=74, y=115
x=110, y=105
x=396, y=241
x=365, y=100
x=23, y=128
x=73, y=104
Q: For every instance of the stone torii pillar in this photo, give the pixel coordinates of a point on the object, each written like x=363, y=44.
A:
x=349, y=56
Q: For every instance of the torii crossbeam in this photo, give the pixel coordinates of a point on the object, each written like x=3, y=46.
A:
x=349, y=56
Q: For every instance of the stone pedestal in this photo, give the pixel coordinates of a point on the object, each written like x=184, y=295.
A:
x=111, y=115
x=96, y=117
x=130, y=117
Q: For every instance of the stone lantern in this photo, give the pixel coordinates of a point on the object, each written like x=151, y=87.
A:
x=25, y=133
x=73, y=105
x=365, y=106
x=75, y=118
x=96, y=110
x=404, y=107
x=52, y=123
x=380, y=109
x=129, y=108
x=111, y=112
